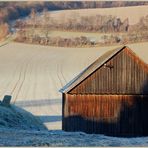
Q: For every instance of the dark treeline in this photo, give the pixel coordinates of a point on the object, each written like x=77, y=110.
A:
x=13, y=10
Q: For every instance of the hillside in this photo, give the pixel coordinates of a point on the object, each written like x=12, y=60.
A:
x=13, y=117
x=122, y=12
x=85, y=28
x=10, y=10
x=33, y=74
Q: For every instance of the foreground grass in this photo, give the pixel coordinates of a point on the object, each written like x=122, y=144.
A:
x=61, y=138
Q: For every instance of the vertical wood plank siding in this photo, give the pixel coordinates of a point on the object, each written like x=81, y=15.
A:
x=113, y=100
x=122, y=115
x=123, y=74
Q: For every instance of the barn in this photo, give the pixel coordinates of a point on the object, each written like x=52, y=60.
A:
x=110, y=96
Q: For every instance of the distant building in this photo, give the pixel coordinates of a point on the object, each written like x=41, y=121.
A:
x=110, y=96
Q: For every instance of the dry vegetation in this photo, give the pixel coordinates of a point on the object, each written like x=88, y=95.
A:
x=111, y=29
x=13, y=10
x=4, y=30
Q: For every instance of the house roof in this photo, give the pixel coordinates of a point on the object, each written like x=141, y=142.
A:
x=140, y=51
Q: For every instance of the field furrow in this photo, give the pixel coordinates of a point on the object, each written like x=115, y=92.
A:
x=33, y=75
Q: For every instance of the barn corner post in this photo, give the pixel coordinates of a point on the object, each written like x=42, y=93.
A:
x=63, y=106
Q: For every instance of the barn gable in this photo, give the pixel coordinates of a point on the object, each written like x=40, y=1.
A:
x=110, y=96
x=119, y=71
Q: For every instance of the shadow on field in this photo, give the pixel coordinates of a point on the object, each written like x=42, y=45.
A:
x=41, y=102
x=46, y=119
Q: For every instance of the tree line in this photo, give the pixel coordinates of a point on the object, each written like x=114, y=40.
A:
x=14, y=10
x=83, y=41
x=96, y=23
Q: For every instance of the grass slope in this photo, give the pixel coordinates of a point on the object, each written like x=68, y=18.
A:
x=18, y=119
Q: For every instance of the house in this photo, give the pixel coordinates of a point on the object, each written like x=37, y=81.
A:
x=110, y=96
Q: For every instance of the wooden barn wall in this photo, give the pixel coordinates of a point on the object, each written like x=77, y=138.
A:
x=124, y=74
x=108, y=114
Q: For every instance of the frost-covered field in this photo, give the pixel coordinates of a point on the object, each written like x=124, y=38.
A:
x=17, y=118
x=60, y=138
x=32, y=75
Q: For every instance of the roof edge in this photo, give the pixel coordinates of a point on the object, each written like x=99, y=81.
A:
x=66, y=90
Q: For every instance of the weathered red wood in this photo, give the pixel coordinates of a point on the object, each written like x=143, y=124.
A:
x=112, y=100
x=129, y=75
x=110, y=114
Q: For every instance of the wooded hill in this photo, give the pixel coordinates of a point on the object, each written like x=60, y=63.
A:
x=10, y=10
x=13, y=10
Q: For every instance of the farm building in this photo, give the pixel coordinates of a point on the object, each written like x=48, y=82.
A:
x=110, y=96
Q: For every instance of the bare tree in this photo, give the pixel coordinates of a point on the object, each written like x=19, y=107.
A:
x=45, y=25
x=4, y=30
x=33, y=23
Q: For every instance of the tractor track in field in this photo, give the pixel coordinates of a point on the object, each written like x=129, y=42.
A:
x=57, y=69
x=36, y=75
x=21, y=78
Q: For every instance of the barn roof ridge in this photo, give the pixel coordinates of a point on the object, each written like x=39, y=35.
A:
x=91, y=68
x=133, y=48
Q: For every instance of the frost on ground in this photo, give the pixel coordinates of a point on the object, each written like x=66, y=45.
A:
x=60, y=138
x=20, y=128
x=33, y=75
x=17, y=118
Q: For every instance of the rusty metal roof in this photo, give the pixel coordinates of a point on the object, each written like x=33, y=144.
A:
x=101, y=60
